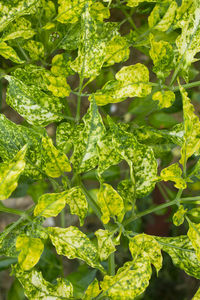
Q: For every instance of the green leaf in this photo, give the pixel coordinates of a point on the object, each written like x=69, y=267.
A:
x=162, y=16
x=126, y=189
x=55, y=162
x=50, y=205
x=20, y=28
x=165, y=98
x=77, y=202
x=130, y=281
x=174, y=173
x=32, y=104
x=30, y=251
x=146, y=246
x=13, y=137
x=36, y=287
x=10, y=12
x=197, y=295
x=10, y=173
x=99, y=12
x=194, y=236
x=178, y=217
x=71, y=242
x=162, y=55
x=191, y=129
x=110, y=203
x=134, y=3
x=92, y=290
x=106, y=244
x=69, y=11
x=132, y=81
x=182, y=253
x=9, y=53
x=64, y=134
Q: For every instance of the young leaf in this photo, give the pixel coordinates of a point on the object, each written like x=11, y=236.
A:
x=194, y=236
x=36, y=287
x=130, y=281
x=182, y=253
x=191, y=129
x=30, y=251
x=10, y=173
x=55, y=162
x=9, y=53
x=165, y=98
x=174, y=173
x=92, y=290
x=110, y=203
x=50, y=205
x=77, y=202
x=32, y=104
x=72, y=243
x=106, y=245
x=35, y=49
x=178, y=217
x=146, y=246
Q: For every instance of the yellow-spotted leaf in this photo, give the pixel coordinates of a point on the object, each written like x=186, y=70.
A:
x=77, y=202
x=58, y=86
x=134, y=3
x=178, y=217
x=73, y=243
x=110, y=203
x=20, y=28
x=174, y=173
x=162, y=55
x=191, y=142
x=130, y=281
x=50, y=205
x=163, y=14
x=30, y=251
x=126, y=189
x=9, y=53
x=10, y=173
x=35, y=49
x=194, y=236
x=56, y=162
x=146, y=246
x=69, y=11
x=36, y=287
x=106, y=244
x=61, y=65
x=131, y=81
x=34, y=105
x=165, y=98
x=92, y=291
x=99, y=12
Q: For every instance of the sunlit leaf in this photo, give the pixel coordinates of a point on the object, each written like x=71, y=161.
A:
x=165, y=98
x=9, y=53
x=92, y=290
x=21, y=28
x=35, y=49
x=194, y=236
x=174, y=173
x=106, y=244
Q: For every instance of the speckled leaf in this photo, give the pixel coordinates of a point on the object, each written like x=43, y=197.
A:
x=10, y=173
x=178, y=217
x=36, y=287
x=197, y=295
x=13, y=137
x=132, y=81
x=50, y=205
x=191, y=129
x=110, y=203
x=30, y=251
x=140, y=158
x=9, y=53
x=174, y=173
x=20, y=28
x=194, y=236
x=99, y=12
x=63, y=133
x=162, y=16
x=55, y=162
x=61, y=65
x=35, y=49
x=32, y=104
x=165, y=98
x=92, y=290
x=84, y=156
x=106, y=244
x=58, y=86
x=9, y=12
x=134, y=3
x=146, y=246
x=72, y=243
x=78, y=203
x=69, y=11
x=130, y=281
x=162, y=55
x=182, y=253
x=126, y=189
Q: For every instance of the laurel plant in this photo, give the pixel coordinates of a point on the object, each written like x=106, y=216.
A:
x=59, y=57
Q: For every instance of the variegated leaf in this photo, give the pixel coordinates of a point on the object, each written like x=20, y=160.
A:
x=106, y=244
x=178, y=217
x=92, y=290
x=174, y=173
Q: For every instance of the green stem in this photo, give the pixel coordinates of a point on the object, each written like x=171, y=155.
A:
x=62, y=218
x=91, y=201
x=78, y=111
x=187, y=86
x=12, y=211
x=111, y=264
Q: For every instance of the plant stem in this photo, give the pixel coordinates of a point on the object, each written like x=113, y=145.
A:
x=79, y=100
x=187, y=85
x=62, y=218
x=111, y=264
x=91, y=201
